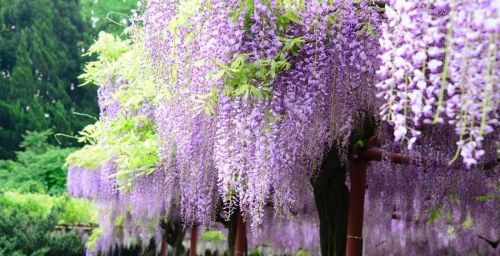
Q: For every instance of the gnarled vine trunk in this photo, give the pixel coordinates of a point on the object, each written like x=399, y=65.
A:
x=332, y=203
x=174, y=234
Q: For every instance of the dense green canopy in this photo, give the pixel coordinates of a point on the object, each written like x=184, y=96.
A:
x=41, y=43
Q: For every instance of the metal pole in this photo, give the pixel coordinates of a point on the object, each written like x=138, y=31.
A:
x=357, y=176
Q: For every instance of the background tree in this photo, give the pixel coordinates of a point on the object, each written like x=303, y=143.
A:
x=39, y=168
x=40, y=47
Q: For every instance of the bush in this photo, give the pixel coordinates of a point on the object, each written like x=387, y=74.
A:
x=39, y=168
x=28, y=224
x=23, y=232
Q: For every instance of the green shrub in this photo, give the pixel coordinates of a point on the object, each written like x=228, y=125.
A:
x=24, y=232
x=39, y=168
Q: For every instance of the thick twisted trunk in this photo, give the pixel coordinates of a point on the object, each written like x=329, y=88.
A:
x=174, y=235
x=332, y=203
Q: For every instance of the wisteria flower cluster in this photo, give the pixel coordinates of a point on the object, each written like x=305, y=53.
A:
x=270, y=71
x=424, y=211
x=290, y=236
x=440, y=65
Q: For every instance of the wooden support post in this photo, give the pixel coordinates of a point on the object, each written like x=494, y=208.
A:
x=164, y=246
x=358, y=166
x=354, y=242
x=194, y=238
x=241, y=236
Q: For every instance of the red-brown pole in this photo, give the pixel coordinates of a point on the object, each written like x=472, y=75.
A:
x=354, y=242
x=164, y=245
x=241, y=236
x=194, y=238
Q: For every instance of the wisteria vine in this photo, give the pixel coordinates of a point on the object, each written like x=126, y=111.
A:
x=237, y=102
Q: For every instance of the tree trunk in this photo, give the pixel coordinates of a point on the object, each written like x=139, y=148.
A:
x=332, y=202
x=174, y=233
x=231, y=234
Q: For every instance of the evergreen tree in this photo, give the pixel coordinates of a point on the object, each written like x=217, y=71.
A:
x=41, y=42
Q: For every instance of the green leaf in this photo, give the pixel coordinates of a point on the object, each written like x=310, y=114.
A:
x=199, y=63
x=292, y=15
x=434, y=215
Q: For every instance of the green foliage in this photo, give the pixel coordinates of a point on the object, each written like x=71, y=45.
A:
x=434, y=214
x=77, y=211
x=93, y=238
x=290, y=46
x=24, y=234
x=468, y=222
x=118, y=58
x=285, y=15
x=246, y=6
x=131, y=137
x=301, y=253
x=255, y=252
x=41, y=238
x=106, y=15
x=41, y=42
x=28, y=224
x=70, y=211
x=36, y=204
x=185, y=10
x=494, y=195
x=215, y=236
x=135, y=146
x=258, y=252
x=90, y=157
x=40, y=47
x=132, y=142
x=39, y=168
x=250, y=80
x=284, y=20
x=108, y=49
